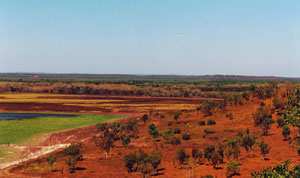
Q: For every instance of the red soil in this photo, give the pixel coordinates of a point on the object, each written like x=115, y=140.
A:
x=96, y=164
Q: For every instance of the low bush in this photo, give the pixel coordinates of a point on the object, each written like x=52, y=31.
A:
x=232, y=168
x=201, y=123
x=177, y=131
x=186, y=136
x=280, y=122
x=209, y=131
x=211, y=122
x=182, y=156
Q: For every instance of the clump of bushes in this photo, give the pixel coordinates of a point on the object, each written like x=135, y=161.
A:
x=201, y=122
x=211, y=122
x=186, y=136
x=143, y=163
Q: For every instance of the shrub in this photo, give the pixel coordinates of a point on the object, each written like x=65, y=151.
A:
x=208, y=150
x=155, y=159
x=264, y=148
x=286, y=132
x=177, y=131
x=248, y=141
x=232, y=168
x=105, y=144
x=51, y=159
x=280, y=122
x=281, y=170
x=182, y=156
x=260, y=115
x=266, y=125
x=229, y=115
x=215, y=158
x=176, y=117
x=196, y=153
x=73, y=154
x=167, y=133
x=278, y=103
x=211, y=122
x=145, y=168
x=173, y=140
x=234, y=149
x=103, y=129
x=145, y=118
x=126, y=141
x=152, y=130
x=130, y=160
x=298, y=150
x=207, y=107
x=201, y=123
x=209, y=131
x=186, y=136
x=207, y=176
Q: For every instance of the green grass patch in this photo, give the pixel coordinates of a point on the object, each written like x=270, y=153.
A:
x=16, y=131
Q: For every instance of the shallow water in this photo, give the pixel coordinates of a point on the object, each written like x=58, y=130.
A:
x=17, y=116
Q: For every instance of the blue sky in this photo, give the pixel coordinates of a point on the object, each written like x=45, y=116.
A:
x=195, y=37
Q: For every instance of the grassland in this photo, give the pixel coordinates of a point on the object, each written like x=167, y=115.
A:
x=16, y=131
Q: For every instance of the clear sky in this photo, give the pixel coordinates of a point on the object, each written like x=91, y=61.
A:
x=193, y=37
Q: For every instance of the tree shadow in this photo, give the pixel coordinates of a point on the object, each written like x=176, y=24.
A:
x=158, y=173
x=234, y=174
x=80, y=168
x=77, y=169
x=218, y=168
